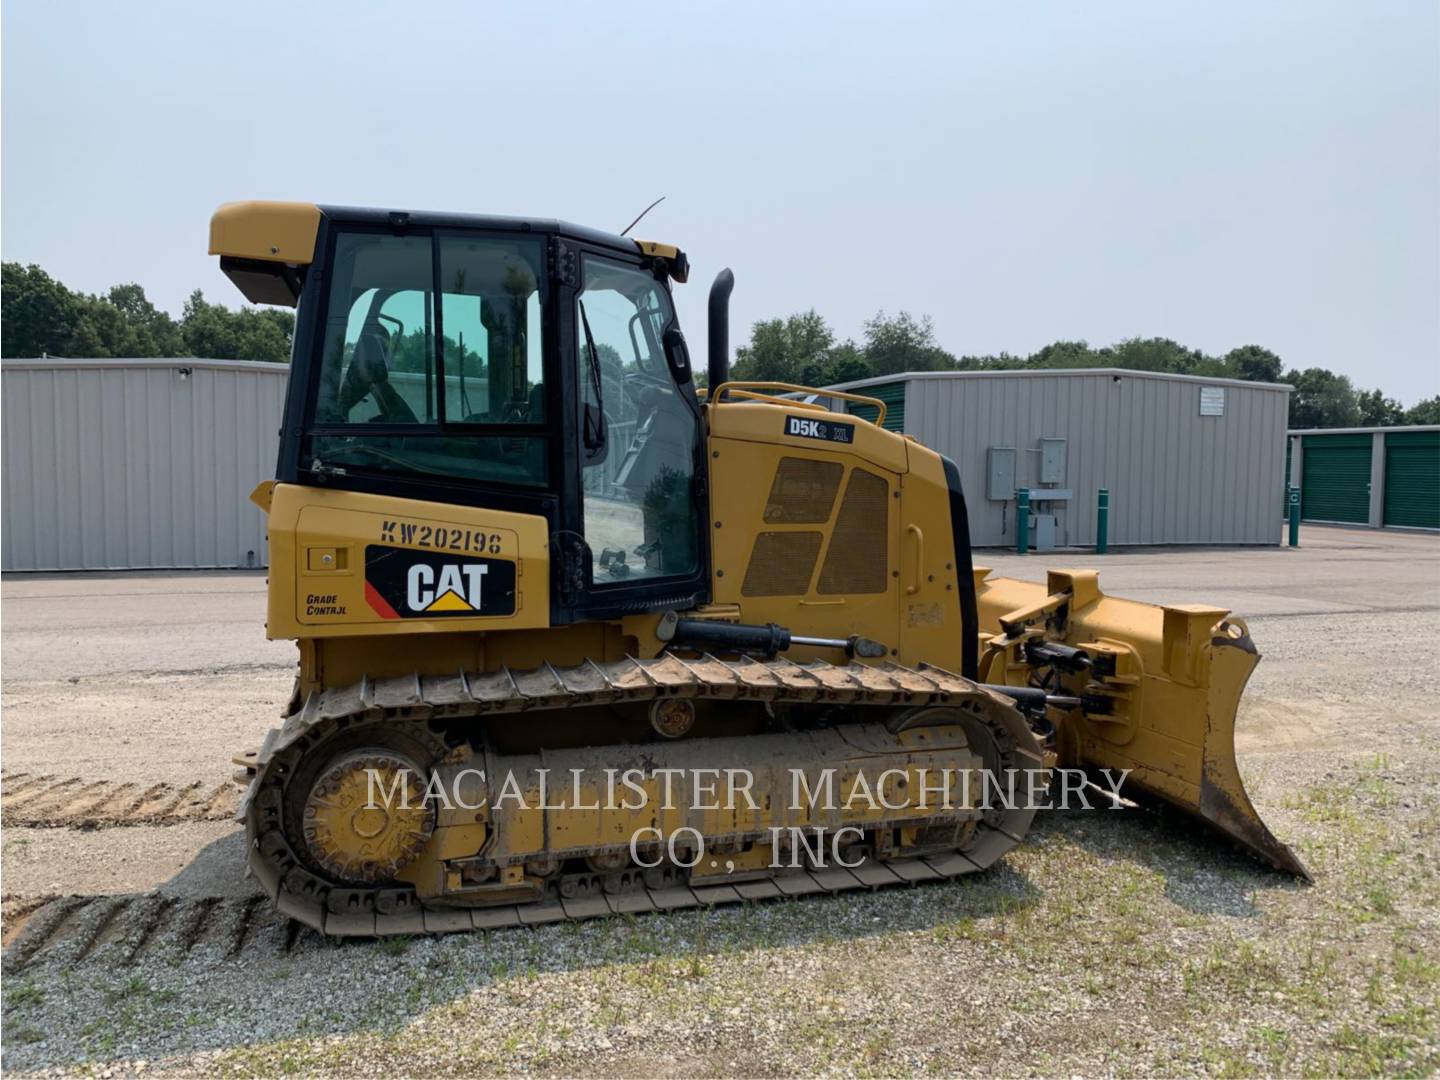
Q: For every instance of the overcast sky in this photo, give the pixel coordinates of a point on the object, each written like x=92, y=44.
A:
x=1217, y=173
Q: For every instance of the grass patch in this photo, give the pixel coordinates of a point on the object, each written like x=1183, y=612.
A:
x=28, y=994
x=393, y=946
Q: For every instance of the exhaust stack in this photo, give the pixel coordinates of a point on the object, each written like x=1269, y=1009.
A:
x=718, y=363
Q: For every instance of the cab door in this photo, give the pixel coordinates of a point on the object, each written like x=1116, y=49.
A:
x=639, y=500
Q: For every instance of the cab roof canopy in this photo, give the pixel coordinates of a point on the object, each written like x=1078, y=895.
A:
x=265, y=247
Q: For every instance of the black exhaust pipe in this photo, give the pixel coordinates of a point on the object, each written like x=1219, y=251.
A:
x=718, y=364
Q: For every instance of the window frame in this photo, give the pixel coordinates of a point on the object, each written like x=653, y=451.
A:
x=440, y=427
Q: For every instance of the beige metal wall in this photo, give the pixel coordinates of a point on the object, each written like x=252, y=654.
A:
x=1175, y=476
x=128, y=464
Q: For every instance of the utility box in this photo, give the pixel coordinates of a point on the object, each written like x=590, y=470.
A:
x=1000, y=473
x=1052, y=461
x=1042, y=532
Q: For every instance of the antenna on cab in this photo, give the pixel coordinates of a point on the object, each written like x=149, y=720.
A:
x=647, y=209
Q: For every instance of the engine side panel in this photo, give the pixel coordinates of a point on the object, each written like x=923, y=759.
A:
x=831, y=526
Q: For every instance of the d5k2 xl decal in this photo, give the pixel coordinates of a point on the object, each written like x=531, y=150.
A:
x=402, y=583
x=804, y=427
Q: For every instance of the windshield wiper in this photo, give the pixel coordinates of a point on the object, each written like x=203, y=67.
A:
x=594, y=433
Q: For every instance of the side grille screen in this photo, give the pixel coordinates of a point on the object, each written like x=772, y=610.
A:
x=781, y=564
x=858, y=558
x=803, y=492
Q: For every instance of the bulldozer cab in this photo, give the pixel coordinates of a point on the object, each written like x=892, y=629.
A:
x=526, y=366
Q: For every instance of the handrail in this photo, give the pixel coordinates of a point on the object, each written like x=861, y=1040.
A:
x=771, y=399
x=746, y=389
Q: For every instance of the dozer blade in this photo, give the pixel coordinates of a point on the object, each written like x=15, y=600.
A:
x=1158, y=689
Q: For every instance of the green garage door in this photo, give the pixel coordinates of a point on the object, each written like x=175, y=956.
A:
x=892, y=394
x=1412, y=479
x=1335, y=481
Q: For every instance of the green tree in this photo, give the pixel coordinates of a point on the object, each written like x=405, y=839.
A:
x=216, y=332
x=1003, y=362
x=791, y=350
x=122, y=323
x=1159, y=354
x=903, y=343
x=1377, y=410
x=145, y=330
x=41, y=316
x=848, y=363
x=1322, y=399
x=412, y=351
x=100, y=330
x=1424, y=412
x=1059, y=354
x=207, y=330
x=1253, y=362
x=37, y=313
x=265, y=334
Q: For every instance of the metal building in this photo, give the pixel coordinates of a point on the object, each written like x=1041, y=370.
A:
x=129, y=464
x=1375, y=476
x=1187, y=460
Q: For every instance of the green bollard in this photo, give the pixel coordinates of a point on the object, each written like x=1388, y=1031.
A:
x=1295, y=517
x=1102, y=523
x=1022, y=520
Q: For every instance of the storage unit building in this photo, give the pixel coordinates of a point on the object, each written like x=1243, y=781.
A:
x=128, y=464
x=1187, y=460
x=1380, y=477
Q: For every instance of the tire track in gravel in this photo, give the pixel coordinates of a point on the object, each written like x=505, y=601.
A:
x=30, y=800
x=57, y=933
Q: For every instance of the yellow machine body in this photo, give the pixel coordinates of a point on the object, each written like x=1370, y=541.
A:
x=414, y=657
x=1179, y=671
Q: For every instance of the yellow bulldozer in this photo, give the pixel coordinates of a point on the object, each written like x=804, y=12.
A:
x=577, y=637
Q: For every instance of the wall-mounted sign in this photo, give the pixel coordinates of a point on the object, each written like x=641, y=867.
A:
x=1212, y=401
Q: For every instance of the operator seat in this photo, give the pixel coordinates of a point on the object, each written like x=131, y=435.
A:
x=369, y=373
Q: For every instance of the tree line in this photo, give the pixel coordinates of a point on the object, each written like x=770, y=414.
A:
x=802, y=348
x=39, y=316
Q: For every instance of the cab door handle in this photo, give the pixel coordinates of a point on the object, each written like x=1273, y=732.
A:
x=914, y=586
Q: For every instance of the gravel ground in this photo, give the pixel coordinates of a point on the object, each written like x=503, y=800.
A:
x=1112, y=942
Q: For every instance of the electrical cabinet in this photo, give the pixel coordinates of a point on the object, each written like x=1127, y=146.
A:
x=1052, y=461
x=1000, y=473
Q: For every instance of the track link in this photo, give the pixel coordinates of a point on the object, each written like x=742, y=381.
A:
x=350, y=911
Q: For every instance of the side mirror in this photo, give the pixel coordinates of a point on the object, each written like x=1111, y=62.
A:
x=677, y=354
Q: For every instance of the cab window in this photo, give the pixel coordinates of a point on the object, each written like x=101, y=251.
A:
x=490, y=300
x=379, y=364
x=450, y=389
x=638, y=481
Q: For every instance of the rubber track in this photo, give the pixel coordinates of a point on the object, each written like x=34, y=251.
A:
x=42, y=801
x=381, y=912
